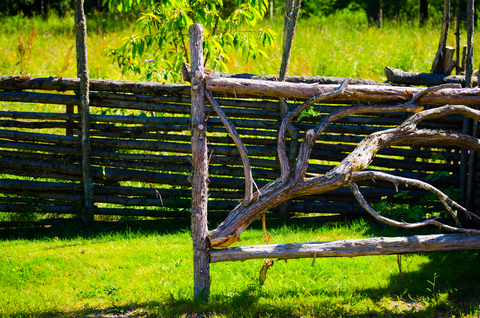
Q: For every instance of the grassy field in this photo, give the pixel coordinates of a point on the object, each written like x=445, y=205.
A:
x=139, y=269
x=341, y=46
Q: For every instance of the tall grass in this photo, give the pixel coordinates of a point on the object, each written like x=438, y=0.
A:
x=341, y=45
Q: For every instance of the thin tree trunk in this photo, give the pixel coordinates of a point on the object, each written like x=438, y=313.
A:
x=423, y=12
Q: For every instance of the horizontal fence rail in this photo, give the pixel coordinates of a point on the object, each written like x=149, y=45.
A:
x=140, y=151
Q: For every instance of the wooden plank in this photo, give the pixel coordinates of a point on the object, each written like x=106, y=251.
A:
x=350, y=248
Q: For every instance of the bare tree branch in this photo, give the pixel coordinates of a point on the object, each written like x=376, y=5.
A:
x=376, y=215
x=282, y=155
x=240, y=146
x=290, y=185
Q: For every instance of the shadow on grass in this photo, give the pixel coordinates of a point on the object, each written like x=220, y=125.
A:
x=456, y=292
x=447, y=285
x=73, y=228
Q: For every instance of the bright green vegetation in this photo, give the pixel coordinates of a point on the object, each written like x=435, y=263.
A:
x=159, y=45
x=147, y=269
x=342, y=46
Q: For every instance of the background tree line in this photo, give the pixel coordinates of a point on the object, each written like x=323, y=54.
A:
x=376, y=10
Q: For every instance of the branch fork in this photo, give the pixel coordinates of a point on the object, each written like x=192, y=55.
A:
x=293, y=183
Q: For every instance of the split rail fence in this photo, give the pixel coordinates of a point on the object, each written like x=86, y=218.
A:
x=140, y=156
x=140, y=161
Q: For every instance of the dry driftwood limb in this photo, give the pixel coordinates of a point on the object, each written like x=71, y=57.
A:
x=356, y=93
x=294, y=184
x=240, y=146
x=444, y=199
x=350, y=248
x=391, y=222
x=282, y=155
x=397, y=76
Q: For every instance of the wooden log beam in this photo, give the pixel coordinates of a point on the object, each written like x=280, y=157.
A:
x=98, y=143
x=350, y=248
x=40, y=165
x=69, y=209
x=215, y=124
x=64, y=84
x=397, y=76
x=355, y=93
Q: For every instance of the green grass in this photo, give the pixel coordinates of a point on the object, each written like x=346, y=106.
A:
x=147, y=270
x=343, y=46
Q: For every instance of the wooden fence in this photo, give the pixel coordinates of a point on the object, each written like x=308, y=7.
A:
x=140, y=150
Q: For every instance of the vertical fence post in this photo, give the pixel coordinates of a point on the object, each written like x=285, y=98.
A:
x=291, y=16
x=82, y=73
x=201, y=255
x=468, y=83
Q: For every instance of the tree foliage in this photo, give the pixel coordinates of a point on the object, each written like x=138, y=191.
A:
x=160, y=43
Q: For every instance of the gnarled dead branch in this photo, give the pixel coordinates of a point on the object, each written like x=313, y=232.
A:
x=293, y=183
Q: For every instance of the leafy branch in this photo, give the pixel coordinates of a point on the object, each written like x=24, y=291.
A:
x=158, y=48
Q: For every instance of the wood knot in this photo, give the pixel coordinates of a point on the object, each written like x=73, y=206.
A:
x=200, y=127
x=199, y=75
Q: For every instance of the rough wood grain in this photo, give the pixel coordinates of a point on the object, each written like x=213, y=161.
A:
x=186, y=73
x=287, y=188
x=201, y=256
x=350, y=248
x=82, y=73
x=355, y=93
x=63, y=84
x=397, y=76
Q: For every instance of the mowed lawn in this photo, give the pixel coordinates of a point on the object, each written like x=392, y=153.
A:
x=146, y=270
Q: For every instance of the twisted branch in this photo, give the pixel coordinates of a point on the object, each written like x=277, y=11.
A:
x=290, y=185
x=356, y=192
x=240, y=146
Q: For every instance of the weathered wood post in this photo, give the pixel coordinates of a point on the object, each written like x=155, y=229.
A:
x=291, y=16
x=201, y=254
x=468, y=83
x=82, y=73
